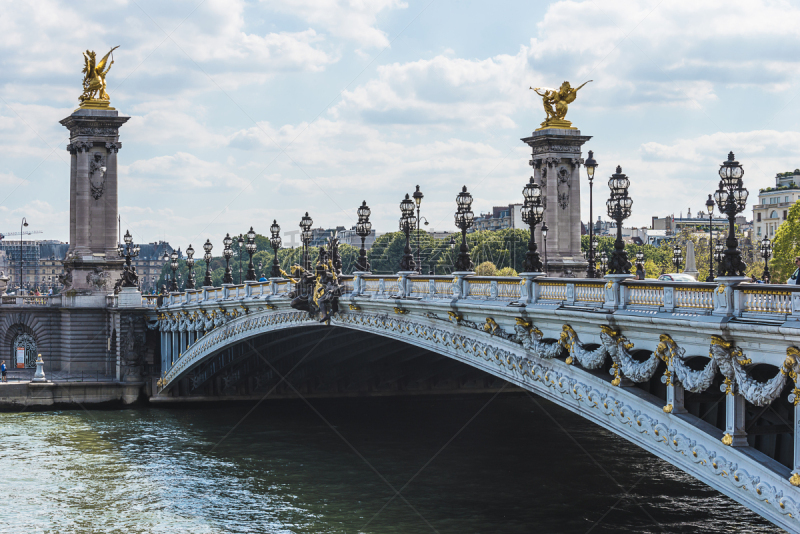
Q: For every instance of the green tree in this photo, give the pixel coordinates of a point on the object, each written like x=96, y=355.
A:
x=486, y=268
x=786, y=246
x=506, y=271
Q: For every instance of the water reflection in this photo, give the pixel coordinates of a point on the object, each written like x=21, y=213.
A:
x=284, y=470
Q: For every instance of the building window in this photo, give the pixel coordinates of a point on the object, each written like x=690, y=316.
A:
x=758, y=217
x=784, y=215
x=771, y=230
x=773, y=215
x=758, y=230
x=787, y=199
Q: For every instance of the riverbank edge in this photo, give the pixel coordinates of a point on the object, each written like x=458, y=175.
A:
x=14, y=396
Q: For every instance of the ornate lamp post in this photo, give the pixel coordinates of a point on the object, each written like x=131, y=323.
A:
x=464, y=219
x=275, y=241
x=710, y=207
x=174, y=266
x=240, y=241
x=677, y=257
x=766, y=252
x=227, y=253
x=718, y=249
x=23, y=224
x=207, y=258
x=591, y=165
x=619, y=209
x=127, y=251
x=305, y=225
x=532, y=212
x=640, y=261
x=603, y=263
x=544, y=240
x=190, y=265
x=417, y=196
x=363, y=230
x=407, y=223
x=251, y=249
x=731, y=199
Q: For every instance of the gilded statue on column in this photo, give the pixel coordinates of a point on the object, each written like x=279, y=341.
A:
x=94, y=80
x=556, y=102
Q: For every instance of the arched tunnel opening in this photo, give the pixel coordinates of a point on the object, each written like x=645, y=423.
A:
x=330, y=361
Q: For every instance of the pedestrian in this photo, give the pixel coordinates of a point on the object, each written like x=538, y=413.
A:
x=262, y=279
x=795, y=278
x=3, y=370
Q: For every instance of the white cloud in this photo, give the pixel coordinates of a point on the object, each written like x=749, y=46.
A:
x=180, y=172
x=349, y=19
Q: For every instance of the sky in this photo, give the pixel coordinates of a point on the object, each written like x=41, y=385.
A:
x=247, y=111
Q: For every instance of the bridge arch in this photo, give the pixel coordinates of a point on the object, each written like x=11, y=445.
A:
x=530, y=363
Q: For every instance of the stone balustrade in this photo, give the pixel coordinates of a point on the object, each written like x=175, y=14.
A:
x=700, y=300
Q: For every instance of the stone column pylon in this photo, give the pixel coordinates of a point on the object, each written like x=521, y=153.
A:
x=92, y=264
x=556, y=161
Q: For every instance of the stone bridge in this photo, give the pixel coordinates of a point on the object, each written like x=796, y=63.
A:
x=702, y=375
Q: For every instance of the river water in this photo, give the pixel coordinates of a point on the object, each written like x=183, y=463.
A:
x=462, y=464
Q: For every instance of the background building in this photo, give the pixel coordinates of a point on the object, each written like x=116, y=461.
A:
x=350, y=237
x=774, y=202
x=500, y=218
x=42, y=263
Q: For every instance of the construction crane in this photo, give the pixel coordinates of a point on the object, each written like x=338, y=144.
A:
x=4, y=234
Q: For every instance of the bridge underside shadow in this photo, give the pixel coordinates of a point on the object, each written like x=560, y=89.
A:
x=329, y=361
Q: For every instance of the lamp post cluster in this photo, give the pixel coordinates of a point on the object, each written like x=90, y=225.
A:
x=591, y=165
x=275, y=243
x=731, y=199
x=227, y=253
x=640, y=264
x=251, y=249
x=363, y=230
x=417, y=196
x=407, y=223
x=127, y=251
x=532, y=213
x=305, y=236
x=710, y=207
x=464, y=219
x=766, y=253
x=190, y=265
x=619, y=209
x=207, y=247
x=173, y=264
x=677, y=257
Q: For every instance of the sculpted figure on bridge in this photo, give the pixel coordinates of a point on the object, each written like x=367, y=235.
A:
x=320, y=291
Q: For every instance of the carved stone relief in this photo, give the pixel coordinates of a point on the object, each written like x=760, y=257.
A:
x=563, y=187
x=97, y=175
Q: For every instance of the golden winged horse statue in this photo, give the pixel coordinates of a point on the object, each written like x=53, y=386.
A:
x=94, y=79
